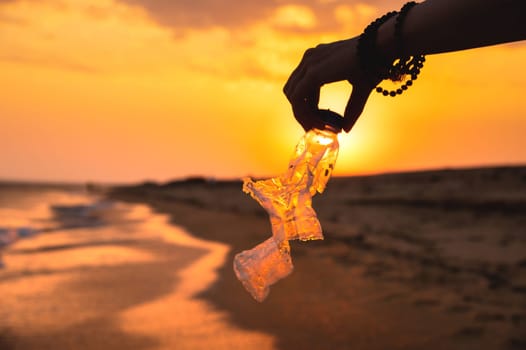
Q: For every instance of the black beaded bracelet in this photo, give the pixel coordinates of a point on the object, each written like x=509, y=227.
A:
x=397, y=70
x=370, y=60
x=398, y=26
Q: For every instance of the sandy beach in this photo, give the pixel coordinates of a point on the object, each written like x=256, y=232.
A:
x=105, y=275
x=433, y=260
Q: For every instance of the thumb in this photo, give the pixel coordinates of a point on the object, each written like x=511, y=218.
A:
x=355, y=105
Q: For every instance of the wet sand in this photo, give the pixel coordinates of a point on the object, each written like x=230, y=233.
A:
x=433, y=260
x=120, y=278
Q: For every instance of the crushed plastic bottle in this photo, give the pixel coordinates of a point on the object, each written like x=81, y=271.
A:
x=288, y=201
x=262, y=266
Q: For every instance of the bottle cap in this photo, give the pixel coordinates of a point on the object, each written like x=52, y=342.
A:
x=332, y=119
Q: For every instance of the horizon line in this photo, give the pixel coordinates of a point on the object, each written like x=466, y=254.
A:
x=73, y=183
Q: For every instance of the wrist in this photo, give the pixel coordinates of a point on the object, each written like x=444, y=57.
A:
x=385, y=40
x=383, y=55
x=372, y=61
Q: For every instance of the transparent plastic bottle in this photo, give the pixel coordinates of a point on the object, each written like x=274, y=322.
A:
x=288, y=198
x=262, y=266
x=288, y=201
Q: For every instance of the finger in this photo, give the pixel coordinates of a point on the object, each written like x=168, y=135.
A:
x=308, y=118
x=313, y=56
x=304, y=110
x=304, y=100
x=359, y=95
x=303, y=116
x=314, y=98
x=305, y=107
x=297, y=73
x=307, y=89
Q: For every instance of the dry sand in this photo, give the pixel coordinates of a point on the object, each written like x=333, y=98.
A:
x=431, y=260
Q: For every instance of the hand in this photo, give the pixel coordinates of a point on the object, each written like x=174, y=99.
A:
x=327, y=63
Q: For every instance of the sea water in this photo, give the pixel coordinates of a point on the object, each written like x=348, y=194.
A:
x=28, y=209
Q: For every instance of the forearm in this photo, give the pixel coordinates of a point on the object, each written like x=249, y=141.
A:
x=436, y=26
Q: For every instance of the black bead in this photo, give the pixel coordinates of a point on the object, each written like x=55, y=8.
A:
x=416, y=71
x=403, y=87
x=379, y=89
x=385, y=92
x=414, y=76
x=399, y=91
x=369, y=58
x=392, y=93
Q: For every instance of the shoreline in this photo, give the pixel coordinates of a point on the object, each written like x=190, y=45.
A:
x=126, y=283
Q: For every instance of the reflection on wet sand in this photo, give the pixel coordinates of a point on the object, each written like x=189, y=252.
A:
x=127, y=283
x=182, y=321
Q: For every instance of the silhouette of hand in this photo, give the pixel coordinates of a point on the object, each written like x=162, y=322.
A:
x=327, y=63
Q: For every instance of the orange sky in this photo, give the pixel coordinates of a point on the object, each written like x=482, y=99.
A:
x=128, y=90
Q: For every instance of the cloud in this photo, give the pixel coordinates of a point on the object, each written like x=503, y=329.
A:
x=225, y=38
x=4, y=18
x=287, y=16
x=202, y=14
x=50, y=62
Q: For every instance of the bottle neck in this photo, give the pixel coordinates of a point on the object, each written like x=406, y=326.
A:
x=332, y=120
x=328, y=127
